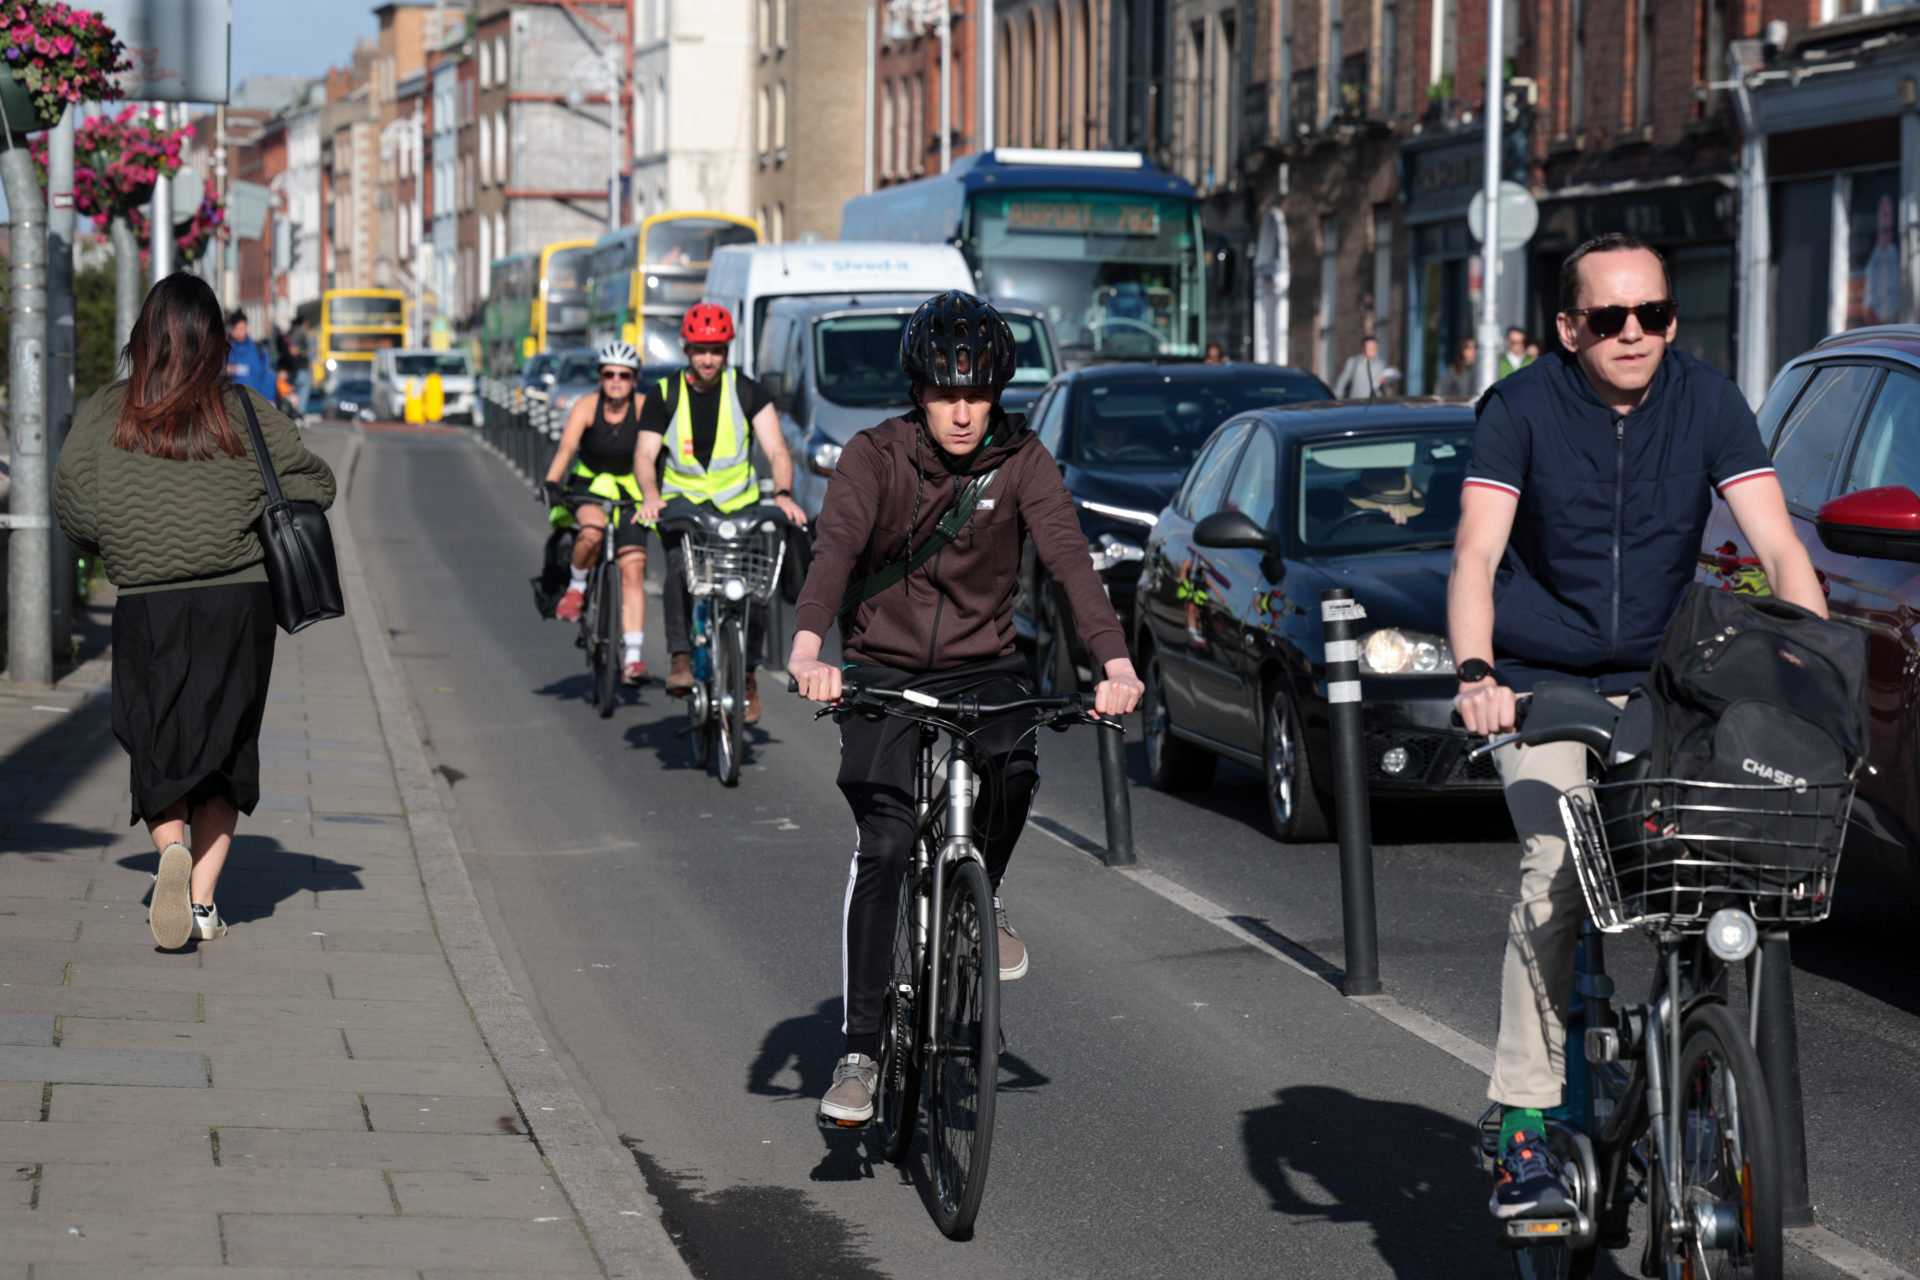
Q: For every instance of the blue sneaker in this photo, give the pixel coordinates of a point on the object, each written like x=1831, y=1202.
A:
x=1528, y=1183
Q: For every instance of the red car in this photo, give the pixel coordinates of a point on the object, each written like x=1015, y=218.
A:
x=1843, y=425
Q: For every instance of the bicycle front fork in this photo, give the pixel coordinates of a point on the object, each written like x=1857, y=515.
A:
x=702, y=648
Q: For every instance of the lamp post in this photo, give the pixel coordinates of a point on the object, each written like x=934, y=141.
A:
x=596, y=72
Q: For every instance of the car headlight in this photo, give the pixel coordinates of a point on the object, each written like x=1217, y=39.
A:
x=823, y=452
x=1110, y=550
x=366, y=415
x=1393, y=652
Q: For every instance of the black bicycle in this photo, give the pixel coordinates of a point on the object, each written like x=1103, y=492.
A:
x=940, y=1021
x=1666, y=1102
x=733, y=561
x=600, y=625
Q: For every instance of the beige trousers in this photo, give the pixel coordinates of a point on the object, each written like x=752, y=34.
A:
x=1543, y=930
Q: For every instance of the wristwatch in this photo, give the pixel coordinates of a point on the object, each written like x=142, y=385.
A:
x=1474, y=670
x=783, y=493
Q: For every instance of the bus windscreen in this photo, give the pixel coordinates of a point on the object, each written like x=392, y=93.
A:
x=1116, y=272
x=363, y=311
x=567, y=270
x=690, y=242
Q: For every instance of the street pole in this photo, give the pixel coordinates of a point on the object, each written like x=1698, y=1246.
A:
x=160, y=215
x=227, y=285
x=418, y=225
x=613, y=138
x=60, y=351
x=1340, y=618
x=983, y=77
x=873, y=35
x=29, y=557
x=126, y=282
x=946, y=85
x=1489, y=342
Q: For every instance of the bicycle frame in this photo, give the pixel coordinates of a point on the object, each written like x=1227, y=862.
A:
x=956, y=844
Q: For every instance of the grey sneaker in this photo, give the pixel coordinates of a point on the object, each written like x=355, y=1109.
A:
x=1013, y=952
x=170, y=913
x=207, y=924
x=850, y=1101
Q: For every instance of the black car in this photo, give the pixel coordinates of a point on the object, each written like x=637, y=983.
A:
x=1124, y=435
x=1281, y=504
x=349, y=399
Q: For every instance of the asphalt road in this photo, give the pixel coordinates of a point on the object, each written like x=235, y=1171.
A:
x=1174, y=1102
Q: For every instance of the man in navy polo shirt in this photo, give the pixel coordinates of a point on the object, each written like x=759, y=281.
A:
x=1593, y=474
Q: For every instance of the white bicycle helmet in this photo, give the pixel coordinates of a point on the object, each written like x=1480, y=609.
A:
x=619, y=355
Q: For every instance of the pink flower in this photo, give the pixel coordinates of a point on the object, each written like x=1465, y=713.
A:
x=63, y=43
x=41, y=46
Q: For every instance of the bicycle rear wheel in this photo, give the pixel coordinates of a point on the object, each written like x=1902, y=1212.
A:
x=606, y=660
x=730, y=688
x=963, y=1064
x=1729, y=1163
x=900, y=1073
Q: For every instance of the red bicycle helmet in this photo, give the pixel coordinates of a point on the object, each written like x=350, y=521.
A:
x=707, y=322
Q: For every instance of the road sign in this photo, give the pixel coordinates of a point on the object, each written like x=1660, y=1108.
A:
x=187, y=191
x=247, y=209
x=1519, y=216
x=178, y=47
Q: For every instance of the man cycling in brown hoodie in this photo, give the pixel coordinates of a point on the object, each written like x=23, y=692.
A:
x=947, y=628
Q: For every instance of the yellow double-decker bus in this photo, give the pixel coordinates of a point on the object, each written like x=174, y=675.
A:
x=355, y=323
x=536, y=302
x=645, y=277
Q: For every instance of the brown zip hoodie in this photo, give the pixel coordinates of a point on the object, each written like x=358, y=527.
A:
x=958, y=606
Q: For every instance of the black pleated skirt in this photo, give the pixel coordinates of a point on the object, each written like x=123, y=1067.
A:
x=190, y=673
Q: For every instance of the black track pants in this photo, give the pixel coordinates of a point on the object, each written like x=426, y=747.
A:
x=877, y=760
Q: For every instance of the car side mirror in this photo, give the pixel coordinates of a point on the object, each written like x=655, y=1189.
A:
x=1878, y=524
x=1232, y=529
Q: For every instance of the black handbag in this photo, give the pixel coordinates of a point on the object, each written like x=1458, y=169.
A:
x=301, y=571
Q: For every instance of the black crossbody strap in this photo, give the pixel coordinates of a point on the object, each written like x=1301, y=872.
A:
x=946, y=531
x=272, y=482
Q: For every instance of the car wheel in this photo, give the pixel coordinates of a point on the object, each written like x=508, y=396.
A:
x=1295, y=807
x=1054, y=671
x=1172, y=764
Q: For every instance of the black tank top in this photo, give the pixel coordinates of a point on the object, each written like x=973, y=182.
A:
x=608, y=446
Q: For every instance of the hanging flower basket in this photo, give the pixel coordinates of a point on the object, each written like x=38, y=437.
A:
x=52, y=55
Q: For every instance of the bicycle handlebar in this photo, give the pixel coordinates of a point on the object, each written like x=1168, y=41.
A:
x=857, y=697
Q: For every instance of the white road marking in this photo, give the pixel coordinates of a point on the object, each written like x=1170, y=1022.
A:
x=1837, y=1252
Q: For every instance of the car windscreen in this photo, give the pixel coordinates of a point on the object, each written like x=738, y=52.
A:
x=1384, y=491
x=857, y=359
x=1033, y=361
x=353, y=388
x=1161, y=420
x=448, y=364
x=578, y=369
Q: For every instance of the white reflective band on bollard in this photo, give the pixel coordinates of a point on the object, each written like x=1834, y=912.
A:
x=1343, y=691
x=1343, y=651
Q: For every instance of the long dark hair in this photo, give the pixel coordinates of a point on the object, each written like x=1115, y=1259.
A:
x=177, y=375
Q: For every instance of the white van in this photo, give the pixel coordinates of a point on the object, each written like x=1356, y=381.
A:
x=745, y=278
x=395, y=367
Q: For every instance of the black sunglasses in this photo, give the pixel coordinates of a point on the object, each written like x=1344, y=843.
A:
x=1605, y=322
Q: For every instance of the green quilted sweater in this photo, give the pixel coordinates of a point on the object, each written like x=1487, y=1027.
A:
x=160, y=523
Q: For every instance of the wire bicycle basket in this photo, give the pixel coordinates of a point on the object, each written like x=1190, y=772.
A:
x=1669, y=852
x=744, y=566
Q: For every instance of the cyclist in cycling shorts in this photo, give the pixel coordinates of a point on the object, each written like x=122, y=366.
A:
x=1593, y=474
x=706, y=421
x=595, y=460
x=947, y=628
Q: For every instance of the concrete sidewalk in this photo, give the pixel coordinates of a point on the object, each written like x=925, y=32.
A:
x=311, y=1095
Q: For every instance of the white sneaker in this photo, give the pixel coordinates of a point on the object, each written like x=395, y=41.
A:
x=207, y=924
x=170, y=913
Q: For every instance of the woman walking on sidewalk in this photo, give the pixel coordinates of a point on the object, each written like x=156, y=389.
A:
x=158, y=480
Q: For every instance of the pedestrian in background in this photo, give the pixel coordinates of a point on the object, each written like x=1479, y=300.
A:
x=300, y=362
x=1459, y=381
x=158, y=478
x=1363, y=376
x=248, y=364
x=1519, y=353
x=1216, y=354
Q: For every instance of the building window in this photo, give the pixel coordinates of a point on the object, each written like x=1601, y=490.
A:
x=486, y=151
x=886, y=130
x=763, y=120
x=780, y=24
x=1444, y=53
x=1643, y=47
x=903, y=131
x=500, y=70
x=779, y=117
x=660, y=109
x=1053, y=80
x=486, y=257
x=1329, y=292
x=500, y=245
x=1081, y=126
x=1225, y=94
x=486, y=64
x=766, y=27
x=1383, y=49
x=500, y=171
x=1576, y=67
x=1003, y=87
x=1714, y=27
x=918, y=156
x=766, y=222
x=1383, y=276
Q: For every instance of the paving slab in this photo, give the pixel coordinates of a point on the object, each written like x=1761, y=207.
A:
x=458, y=1079
x=479, y=1195
x=202, y=1109
x=103, y=1002
x=107, y=1235
x=104, y=1066
x=26, y=1029
x=60, y=1271
x=20, y=1100
x=86, y=1142
x=165, y=976
x=472, y=1246
x=504, y=1153
x=442, y=1113
x=78, y=1189
x=315, y=1042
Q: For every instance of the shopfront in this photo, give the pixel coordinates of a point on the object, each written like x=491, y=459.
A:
x=1440, y=174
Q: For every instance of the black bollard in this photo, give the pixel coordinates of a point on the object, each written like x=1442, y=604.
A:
x=1779, y=1052
x=1113, y=782
x=1340, y=615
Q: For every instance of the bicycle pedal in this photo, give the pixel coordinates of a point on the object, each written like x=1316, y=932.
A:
x=841, y=1126
x=1518, y=1233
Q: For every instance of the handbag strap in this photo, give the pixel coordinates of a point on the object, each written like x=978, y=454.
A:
x=274, y=496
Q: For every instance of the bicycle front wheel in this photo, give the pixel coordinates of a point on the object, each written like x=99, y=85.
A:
x=964, y=1063
x=730, y=687
x=900, y=1074
x=606, y=664
x=1728, y=1162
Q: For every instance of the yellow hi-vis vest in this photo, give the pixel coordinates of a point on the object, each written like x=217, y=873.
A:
x=727, y=480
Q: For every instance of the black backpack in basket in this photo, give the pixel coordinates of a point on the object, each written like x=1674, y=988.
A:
x=1747, y=690
x=556, y=568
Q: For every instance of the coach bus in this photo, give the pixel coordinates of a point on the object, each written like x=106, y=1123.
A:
x=355, y=323
x=645, y=277
x=1106, y=243
x=536, y=302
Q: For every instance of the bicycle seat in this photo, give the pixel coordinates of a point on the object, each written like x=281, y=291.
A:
x=1561, y=711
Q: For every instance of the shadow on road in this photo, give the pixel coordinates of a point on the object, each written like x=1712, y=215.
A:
x=260, y=874
x=1404, y=1170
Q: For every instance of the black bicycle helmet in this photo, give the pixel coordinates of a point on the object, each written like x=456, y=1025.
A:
x=957, y=340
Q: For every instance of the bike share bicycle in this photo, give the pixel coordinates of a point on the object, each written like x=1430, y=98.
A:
x=940, y=1022
x=733, y=564
x=1665, y=1100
